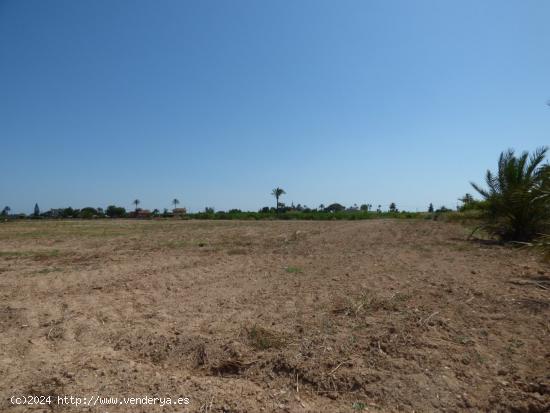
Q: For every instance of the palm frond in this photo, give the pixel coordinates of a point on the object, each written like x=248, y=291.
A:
x=482, y=191
x=536, y=158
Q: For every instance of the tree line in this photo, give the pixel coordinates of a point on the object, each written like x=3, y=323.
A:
x=514, y=204
x=113, y=211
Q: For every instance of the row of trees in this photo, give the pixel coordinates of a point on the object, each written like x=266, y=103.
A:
x=112, y=211
x=335, y=207
x=175, y=202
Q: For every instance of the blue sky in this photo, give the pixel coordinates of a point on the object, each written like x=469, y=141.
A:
x=218, y=102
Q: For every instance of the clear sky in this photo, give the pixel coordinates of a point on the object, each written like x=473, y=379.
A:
x=218, y=102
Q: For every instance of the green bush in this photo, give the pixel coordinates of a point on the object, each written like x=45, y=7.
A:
x=113, y=211
x=516, y=204
x=303, y=215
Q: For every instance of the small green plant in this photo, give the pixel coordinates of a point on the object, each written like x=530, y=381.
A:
x=48, y=270
x=479, y=357
x=35, y=254
x=12, y=253
x=514, y=345
x=293, y=270
x=359, y=406
x=47, y=253
x=464, y=340
x=176, y=244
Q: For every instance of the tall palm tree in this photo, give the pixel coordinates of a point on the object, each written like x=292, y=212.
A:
x=277, y=192
x=136, y=203
x=515, y=206
x=175, y=201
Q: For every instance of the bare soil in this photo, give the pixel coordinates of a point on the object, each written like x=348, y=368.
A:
x=378, y=316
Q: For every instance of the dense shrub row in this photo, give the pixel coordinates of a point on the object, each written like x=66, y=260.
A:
x=311, y=215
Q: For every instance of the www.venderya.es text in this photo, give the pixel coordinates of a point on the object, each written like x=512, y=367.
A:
x=96, y=400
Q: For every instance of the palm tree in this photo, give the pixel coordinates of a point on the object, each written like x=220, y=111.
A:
x=136, y=203
x=175, y=201
x=466, y=199
x=544, y=185
x=277, y=192
x=516, y=207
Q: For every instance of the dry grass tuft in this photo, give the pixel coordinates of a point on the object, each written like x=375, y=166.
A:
x=263, y=339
